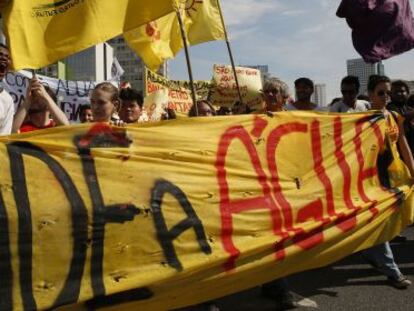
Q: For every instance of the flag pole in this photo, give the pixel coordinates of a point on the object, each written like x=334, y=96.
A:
x=230, y=52
x=187, y=57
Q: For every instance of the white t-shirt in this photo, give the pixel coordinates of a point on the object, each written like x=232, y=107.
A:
x=6, y=113
x=360, y=106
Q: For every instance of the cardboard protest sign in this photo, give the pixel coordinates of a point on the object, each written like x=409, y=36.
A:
x=179, y=92
x=155, y=104
x=224, y=91
x=158, y=217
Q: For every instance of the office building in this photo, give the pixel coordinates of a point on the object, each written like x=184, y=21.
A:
x=319, y=95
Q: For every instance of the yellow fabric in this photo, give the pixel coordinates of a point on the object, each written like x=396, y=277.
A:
x=187, y=210
x=397, y=170
x=41, y=32
x=161, y=39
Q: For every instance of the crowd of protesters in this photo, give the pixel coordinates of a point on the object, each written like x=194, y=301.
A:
x=120, y=107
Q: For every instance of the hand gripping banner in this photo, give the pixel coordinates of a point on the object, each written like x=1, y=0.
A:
x=160, y=216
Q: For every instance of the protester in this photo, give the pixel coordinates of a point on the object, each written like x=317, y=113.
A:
x=6, y=101
x=39, y=110
x=105, y=102
x=349, y=102
x=131, y=105
x=381, y=256
x=275, y=95
x=304, y=89
x=85, y=114
x=205, y=109
x=399, y=96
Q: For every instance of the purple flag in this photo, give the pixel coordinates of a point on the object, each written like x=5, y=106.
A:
x=380, y=28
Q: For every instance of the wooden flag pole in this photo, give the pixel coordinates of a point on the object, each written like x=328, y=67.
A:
x=187, y=57
x=230, y=52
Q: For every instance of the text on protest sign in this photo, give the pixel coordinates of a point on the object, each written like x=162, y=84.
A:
x=179, y=92
x=224, y=91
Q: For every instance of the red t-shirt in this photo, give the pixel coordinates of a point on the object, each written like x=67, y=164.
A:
x=29, y=126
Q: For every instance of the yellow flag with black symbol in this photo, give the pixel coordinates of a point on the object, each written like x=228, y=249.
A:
x=41, y=32
x=161, y=39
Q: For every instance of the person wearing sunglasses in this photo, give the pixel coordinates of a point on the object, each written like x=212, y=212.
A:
x=381, y=256
x=39, y=110
x=349, y=102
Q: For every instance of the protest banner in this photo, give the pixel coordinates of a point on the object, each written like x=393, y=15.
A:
x=224, y=91
x=70, y=94
x=179, y=92
x=154, y=217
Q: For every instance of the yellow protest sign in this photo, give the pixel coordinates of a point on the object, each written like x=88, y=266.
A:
x=224, y=90
x=164, y=215
x=179, y=92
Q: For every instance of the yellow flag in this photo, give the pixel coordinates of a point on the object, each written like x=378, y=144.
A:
x=161, y=39
x=41, y=32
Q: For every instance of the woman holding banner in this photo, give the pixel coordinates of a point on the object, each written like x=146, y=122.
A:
x=381, y=256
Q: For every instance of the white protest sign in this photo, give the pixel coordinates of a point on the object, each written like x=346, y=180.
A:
x=224, y=91
x=155, y=104
x=70, y=94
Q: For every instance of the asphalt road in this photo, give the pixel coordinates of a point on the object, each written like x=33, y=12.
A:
x=350, y=284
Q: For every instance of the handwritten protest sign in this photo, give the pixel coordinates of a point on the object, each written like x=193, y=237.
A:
x=179, y=92
x=155, y=217
x=155, y=104
x=224, y=90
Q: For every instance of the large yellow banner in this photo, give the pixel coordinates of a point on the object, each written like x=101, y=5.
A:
x=159, y=216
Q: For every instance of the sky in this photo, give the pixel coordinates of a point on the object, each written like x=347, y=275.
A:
x=295, y=38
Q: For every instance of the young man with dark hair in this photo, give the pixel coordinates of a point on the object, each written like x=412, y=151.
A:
x=131, y=105
x=349, y=102
x=399, y=96
x=6, y=101
x=304, y=89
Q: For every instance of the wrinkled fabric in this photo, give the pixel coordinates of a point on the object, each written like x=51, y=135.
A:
x=380, y=28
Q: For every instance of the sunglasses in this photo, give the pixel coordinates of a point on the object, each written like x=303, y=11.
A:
x=383, y=93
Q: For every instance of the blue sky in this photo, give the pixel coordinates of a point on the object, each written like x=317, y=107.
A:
x=294, y=37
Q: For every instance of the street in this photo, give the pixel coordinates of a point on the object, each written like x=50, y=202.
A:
x=350, y=284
